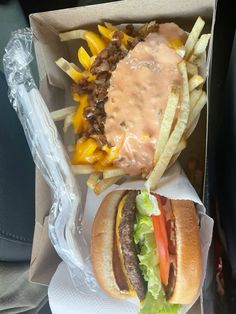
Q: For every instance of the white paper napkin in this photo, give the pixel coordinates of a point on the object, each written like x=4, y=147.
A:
x=65, y=299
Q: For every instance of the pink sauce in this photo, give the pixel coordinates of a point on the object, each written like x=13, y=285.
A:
x=137, y=98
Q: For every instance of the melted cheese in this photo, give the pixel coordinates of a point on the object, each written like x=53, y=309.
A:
x=132, y=292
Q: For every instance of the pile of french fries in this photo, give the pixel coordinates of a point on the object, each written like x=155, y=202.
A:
x=87, y=156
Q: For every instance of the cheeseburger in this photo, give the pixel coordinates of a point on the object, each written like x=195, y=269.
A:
x=147, y=246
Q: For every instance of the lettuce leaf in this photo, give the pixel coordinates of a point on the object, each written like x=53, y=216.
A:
x=142, y=227
x=155, y=301
x=146, y=204
x=148, y=255
x=148, y=262
x=158, y=305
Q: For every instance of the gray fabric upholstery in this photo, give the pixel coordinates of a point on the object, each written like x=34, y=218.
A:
x=17, y=185
x=17, y=295
x=11, y=18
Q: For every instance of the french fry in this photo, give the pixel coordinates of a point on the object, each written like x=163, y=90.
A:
x=74, y=66
x=181, y=146
x=67, y=122
x=192, y=69
x=167, y=122
x=173, y=159
x=110, y=26
x=76, y=97
x=114, y=172
x=193, y=36
x=195, y=81
x=198, y=61
x=197, y=108
x=201, y=45
x=93, y=179
x=103, y=184
x=61, y=114
x=192, y=126
x=75, y=34
x=84, y=58
x=194, y=96
x=108, y=34
x=84, y=151
x=78, y=120
x=94, y=41
x=70, y=70
x=82, y=169
x=175, y=136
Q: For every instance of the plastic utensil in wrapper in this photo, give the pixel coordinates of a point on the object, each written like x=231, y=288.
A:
x=48, y=152
x=66, y=216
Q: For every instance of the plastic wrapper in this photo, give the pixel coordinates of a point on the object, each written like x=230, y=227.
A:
x=66, y=217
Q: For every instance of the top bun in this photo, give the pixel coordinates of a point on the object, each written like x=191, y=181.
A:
x=189, y=261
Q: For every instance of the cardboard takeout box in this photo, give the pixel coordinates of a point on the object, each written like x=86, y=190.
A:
x=55, y=88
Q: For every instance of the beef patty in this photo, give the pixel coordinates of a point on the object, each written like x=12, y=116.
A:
x=128, y=248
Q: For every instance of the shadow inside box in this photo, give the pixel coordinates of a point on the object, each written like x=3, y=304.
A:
x=42, y=6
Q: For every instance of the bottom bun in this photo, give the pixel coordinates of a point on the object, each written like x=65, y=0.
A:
x=189, y=262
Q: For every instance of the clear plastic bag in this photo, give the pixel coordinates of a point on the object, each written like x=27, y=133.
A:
x=65, y=218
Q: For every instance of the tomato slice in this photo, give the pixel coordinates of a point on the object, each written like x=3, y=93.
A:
x=159, y=224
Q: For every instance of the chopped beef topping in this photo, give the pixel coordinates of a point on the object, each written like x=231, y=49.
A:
x=103, y=66
x=129, y=30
